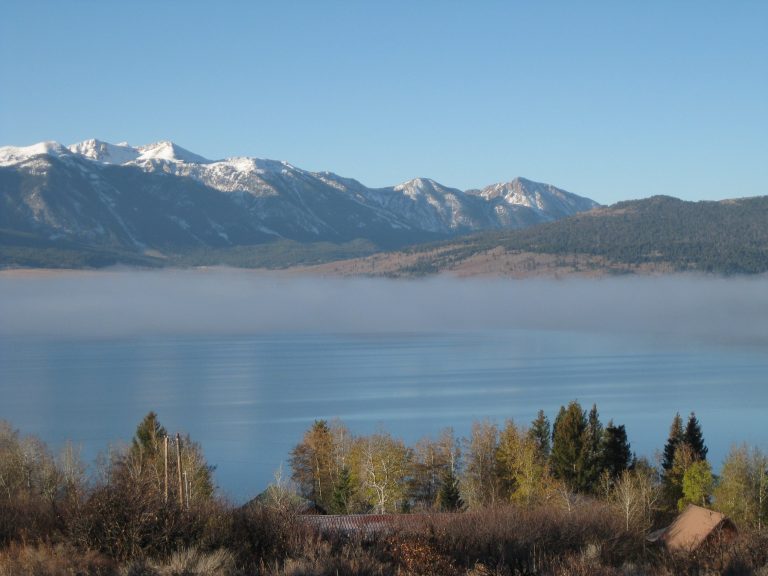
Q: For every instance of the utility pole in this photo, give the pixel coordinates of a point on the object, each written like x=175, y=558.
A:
x=178, y=468
x=165, y=459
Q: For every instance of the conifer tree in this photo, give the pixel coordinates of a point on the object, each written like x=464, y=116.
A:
x=694, y=438
x=567, y=444
x=144, y=468
x=591, y=461
x=343, y=492
x=616, y=452
x=146, y=440
x=541, y=435
x=676, y=436
x=449, y=497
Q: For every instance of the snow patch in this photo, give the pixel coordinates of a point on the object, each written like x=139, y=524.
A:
x=10, y=155
x=105, y=152
x=170, y=152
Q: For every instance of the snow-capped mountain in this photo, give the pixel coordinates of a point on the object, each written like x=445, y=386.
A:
x=161, y=196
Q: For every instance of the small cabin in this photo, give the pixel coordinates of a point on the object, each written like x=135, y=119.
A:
x=694, y=527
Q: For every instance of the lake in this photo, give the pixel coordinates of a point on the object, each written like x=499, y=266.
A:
x=247, y=398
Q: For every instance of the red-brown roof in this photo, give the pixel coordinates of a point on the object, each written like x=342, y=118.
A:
x=692, y=527
x=369, y=524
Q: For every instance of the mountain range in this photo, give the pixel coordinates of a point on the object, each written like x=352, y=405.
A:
x=94, y=204
x=120, y=203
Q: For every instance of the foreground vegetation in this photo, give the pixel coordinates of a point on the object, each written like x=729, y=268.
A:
x=567, y=499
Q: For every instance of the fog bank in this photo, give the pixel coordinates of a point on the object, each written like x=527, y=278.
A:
x=225, y=301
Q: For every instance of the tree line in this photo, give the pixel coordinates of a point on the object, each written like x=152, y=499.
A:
x=572, y=458
x=533, y=498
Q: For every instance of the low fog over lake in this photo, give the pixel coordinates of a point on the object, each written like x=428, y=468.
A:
x=245, y=361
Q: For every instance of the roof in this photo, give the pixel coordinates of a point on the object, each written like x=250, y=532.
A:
x=369, y=524
x=692, y=527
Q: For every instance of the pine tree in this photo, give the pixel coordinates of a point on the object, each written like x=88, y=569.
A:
x=541, y=434
x=567, y=444
x=694, y=438
x=146, y=466
x=449, y=497
x=343, y=492
x=146, y=440
x=591, y=461
x=676, y=436
x=616, y=453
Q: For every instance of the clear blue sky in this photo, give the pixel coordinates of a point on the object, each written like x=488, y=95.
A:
x=612, y=100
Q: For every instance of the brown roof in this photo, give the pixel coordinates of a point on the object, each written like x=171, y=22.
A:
x=369, y=524
x=693, y=526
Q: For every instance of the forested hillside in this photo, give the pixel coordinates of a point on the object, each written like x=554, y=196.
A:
x=658, y=234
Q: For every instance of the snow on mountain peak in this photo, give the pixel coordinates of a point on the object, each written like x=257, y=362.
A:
x=417, y=186
x=15, y=154
x=536, y=195
x=166, y=150
x=105, y=152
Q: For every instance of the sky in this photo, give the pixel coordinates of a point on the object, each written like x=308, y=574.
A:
x=610, y=100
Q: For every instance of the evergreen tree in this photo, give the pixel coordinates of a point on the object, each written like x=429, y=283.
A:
x=449, y=497
x=567, y=444
x=616, y=453
x=591, y=461
x=541, y=435
x=694, y=438
x=146, y=441
x=143, y=466
x=676, y=436
x=343, y=492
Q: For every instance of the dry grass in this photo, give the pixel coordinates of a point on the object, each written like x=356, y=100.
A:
x=192, y=562
x=46, y=560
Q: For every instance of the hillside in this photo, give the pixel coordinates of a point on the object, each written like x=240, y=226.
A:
x=658, y=234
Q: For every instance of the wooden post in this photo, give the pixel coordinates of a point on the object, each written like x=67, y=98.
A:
x=165, y=458
x=186, y=489
x=178, y=467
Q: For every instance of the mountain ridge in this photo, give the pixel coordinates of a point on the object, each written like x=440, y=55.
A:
x=163, y=198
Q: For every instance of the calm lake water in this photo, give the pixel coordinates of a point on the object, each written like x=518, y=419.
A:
x=248, y=399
